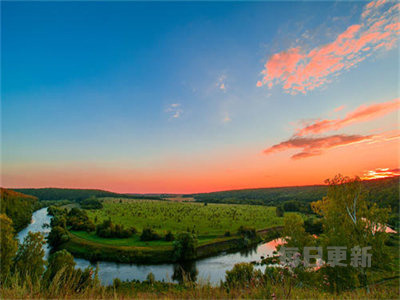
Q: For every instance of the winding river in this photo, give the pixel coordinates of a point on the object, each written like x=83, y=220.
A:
x=206, y=270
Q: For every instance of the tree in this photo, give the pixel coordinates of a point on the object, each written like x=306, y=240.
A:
x=185, y=246
x=279, y=211
x=60, y=261
x=293, y=229
x=148, y=234
x=169, y=236
x=57, y=236
x=350, y=221
x=29, y=262
x=8, y=246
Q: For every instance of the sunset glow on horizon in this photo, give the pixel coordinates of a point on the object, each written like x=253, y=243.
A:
x=193, y=97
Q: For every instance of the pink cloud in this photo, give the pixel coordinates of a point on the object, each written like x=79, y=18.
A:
x=301, y=70
x=312, y=146
x=361, y=114
x=337, y=109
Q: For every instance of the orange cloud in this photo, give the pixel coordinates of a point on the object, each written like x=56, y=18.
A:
x=339, y=108
x=380, y=173
x=312, y=146
x=300, y=70
x=361, y=114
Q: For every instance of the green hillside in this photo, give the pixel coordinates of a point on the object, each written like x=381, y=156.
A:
x=17, y=206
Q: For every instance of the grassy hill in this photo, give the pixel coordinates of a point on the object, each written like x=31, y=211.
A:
x=17, y=206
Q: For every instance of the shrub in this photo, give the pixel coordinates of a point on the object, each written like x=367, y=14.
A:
x=247, y=232
x=59, y=220
x=148, y=234
x=313, y=225
x=150, y=278
x=108, y=230
x=279, y=211
x=78, y=220
x=241, y=275
x=60, y=261
x=57, y=236
x=169, y=236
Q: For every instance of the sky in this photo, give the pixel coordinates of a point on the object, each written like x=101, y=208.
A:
x=173, y=97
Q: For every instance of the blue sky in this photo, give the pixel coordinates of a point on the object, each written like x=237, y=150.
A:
x=151, y=88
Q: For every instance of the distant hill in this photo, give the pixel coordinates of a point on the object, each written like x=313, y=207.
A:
x=384, y=191
x=17, y=206
x=76, y=194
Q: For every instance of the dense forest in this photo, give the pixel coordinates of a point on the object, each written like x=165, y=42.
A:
x=17, y=206
x=77, y=194
x=384, y=190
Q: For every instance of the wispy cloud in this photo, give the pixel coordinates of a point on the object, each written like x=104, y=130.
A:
x=337, y=109
x=380, y=173
x=302, y=70
x=226, y=119
x=361, y=114
x=312, y=146
x=221, y=83
x=175, y=110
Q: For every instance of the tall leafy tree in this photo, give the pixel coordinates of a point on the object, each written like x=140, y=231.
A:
x=350, y=221
x=8, y=247
x=60, y=261
x=296, y=236
x=29, y=262
x=185, y=246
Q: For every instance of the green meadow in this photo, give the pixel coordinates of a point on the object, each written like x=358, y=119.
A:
x=206, y=221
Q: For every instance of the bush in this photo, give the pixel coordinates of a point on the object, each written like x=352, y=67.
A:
x=241, y=275
x=169, y=236
x=279, y=211
x=58, y=220
x=60, y=261
x=313, y=225
x=57, y=236
x=227, y=233
x=78, y=220
x=247, y=232
x=148, y=234
x=150, y=278
x=108, y=230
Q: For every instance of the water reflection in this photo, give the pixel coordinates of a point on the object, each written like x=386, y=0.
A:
x=184, y=272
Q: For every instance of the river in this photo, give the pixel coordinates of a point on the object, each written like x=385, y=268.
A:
x=206, y=270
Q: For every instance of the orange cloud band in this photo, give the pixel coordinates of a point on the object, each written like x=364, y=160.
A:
x=361, y=114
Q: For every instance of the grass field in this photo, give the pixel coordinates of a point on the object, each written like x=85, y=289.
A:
x=205, y=220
